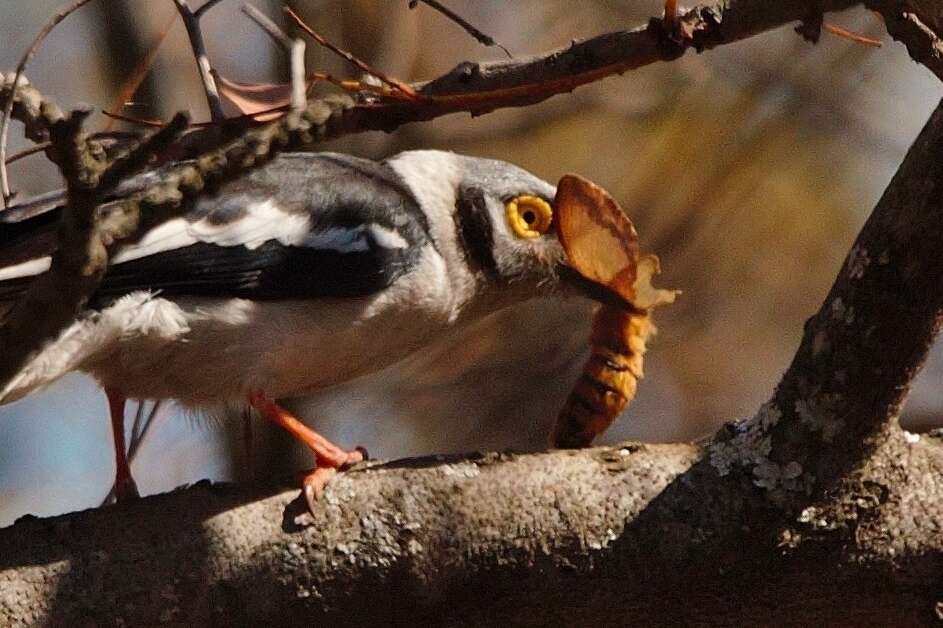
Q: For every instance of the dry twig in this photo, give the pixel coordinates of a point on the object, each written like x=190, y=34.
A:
x=191, y=20
x=403, y=88
x=60, y=15
x=480, y=37
x=858, y=38
x=134, y=80
x=296, y=52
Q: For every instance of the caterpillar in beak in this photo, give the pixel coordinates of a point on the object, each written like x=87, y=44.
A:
x=601, y=245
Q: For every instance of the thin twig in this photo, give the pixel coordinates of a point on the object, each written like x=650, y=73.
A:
x=286, y=42
x=138, y=421
x=157, y=123
x=295, y=48
x=402, y=87
x=834, y=29
x=152, y=122
x=192, y=21
x=266, y=24
x=299, y=86
x=60, y=15
x=481, y=37
x=26, y=152
x=137, y=443
x=209, y=4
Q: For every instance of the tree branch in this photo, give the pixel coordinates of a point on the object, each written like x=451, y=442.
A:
x=546, y=539
x=479, y=36
x=60, y=15
x=191, y=19
x=847, y=383
x=479, y=88
x=906, y=23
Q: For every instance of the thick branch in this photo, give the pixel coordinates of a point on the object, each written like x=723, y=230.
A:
x=641, y=534
x=851, y=374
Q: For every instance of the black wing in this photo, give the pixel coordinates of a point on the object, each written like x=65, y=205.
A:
x=304, y=226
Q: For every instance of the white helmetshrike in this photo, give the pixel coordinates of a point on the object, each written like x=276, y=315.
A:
x=309, y=271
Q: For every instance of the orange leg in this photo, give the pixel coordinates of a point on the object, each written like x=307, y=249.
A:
x=329, y=458
x=125, y=488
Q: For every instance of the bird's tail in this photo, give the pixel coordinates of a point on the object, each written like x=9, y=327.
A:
x=52, y=361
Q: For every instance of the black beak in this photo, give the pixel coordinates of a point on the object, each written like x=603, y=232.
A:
x=593, y=290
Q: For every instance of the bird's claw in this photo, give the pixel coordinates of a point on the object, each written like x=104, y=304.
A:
x=315, y=482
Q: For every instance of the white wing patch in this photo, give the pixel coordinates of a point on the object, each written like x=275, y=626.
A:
x=26, y=269
x=387, y=238
x=260, y=223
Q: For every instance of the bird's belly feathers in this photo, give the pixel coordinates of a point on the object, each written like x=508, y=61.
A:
x=284, y=348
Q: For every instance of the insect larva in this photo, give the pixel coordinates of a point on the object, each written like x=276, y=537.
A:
x=609, y=379
x=601, y=244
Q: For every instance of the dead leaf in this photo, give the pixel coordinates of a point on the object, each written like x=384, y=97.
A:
x=262, y=101
x=602, y=245
x=599, y=239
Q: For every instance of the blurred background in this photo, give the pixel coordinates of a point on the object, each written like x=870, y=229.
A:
x=748, y=169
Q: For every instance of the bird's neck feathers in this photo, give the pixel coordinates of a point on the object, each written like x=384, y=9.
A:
x=434, y=178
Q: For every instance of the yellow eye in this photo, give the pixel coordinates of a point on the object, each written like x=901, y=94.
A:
x=529, y=216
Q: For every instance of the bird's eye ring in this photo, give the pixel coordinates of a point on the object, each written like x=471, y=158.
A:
x=529, y=216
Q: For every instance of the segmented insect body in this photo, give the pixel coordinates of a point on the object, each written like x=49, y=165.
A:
x=602, y=245
x=609, y=379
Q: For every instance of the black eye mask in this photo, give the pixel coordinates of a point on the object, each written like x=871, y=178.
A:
x=475, y=231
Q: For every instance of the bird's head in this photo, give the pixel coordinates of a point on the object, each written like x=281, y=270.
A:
x=513, y=226
x=527, y=237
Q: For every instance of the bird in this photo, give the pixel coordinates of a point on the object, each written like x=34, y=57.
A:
x=309, y=271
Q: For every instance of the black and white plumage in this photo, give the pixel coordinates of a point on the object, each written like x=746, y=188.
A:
x=307, y=272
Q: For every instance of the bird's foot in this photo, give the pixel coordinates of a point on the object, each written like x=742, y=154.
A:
x=329, y=457
x=316, y=480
